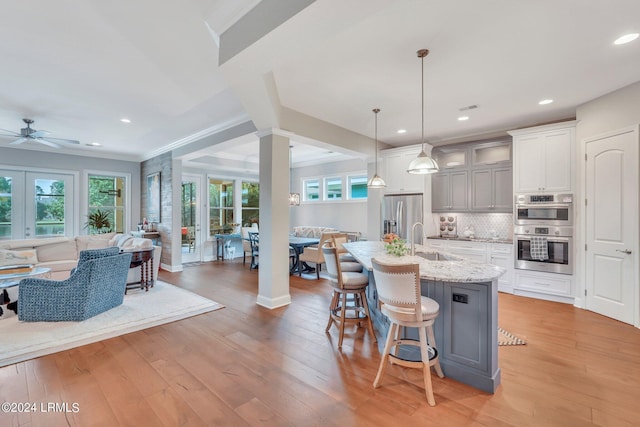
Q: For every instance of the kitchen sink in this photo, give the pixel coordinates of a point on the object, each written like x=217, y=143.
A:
x=435, y=256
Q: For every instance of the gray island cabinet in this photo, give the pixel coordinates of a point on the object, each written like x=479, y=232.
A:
x=467, y=326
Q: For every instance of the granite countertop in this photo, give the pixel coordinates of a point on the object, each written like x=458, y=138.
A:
x=452, y=269
x=467, y=239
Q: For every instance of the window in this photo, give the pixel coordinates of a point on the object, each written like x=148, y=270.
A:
x=220, y=206
x=250, y=203
x=333, y=188
x=5, y=207
x=345, y=187
x=107, y=195
x=357, y=187
x=311, y=189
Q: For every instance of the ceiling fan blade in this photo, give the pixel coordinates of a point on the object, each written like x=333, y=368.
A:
x=67, y=141
x=18, y=141
x=49, y=143
x=11, y=133
x=39, y=133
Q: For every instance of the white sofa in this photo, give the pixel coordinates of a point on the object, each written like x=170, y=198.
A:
x=312, y=231
x=61, y=254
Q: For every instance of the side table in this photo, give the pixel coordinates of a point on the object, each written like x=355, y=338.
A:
x=142, y=258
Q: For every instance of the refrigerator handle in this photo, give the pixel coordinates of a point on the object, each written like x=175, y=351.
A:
x=399, y=225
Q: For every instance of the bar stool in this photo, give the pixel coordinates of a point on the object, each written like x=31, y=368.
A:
x=346, y=283
x=347, y=262
x=398, y=288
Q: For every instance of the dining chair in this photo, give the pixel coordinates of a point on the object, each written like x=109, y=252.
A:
x=399, y=291
x=254, y=240
x=314, y=254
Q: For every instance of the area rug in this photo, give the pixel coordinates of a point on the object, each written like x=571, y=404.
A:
x=162, y=304
x=507, y=338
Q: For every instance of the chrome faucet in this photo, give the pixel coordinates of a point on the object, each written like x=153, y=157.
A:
x=413, y=236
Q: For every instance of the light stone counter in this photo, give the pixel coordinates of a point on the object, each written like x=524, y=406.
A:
x=450, y=268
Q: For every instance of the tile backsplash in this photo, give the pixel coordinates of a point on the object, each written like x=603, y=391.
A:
x=482, y=224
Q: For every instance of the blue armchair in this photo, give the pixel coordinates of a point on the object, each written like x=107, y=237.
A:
x=96, y=285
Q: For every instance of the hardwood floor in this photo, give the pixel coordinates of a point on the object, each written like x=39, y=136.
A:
x=245, y=365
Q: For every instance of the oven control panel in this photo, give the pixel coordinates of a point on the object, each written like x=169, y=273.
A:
x=524, y=230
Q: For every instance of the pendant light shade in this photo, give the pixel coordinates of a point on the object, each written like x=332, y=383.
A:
x=294, y=198
x=376, y=181
x=423, y=164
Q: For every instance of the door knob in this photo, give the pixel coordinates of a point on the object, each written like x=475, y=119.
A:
x=626, y=251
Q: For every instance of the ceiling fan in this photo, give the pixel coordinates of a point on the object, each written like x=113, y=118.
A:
x=30, y=134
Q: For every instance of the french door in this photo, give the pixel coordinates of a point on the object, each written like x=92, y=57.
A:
x=190, y=208
x=36, y=204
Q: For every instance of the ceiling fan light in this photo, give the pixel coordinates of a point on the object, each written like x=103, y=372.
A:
x=423, y=164
x=376, y=182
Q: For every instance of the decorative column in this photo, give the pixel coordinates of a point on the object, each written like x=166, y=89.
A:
x=273, y=273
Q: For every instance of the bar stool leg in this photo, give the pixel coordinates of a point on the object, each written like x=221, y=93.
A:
x=332, y=306
x=426, y=370
x=365, y=305
x=393, y=327
x=343, y=314
x=432, y=342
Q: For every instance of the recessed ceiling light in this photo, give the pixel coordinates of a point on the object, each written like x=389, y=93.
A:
x=545, y=102
x=626, y=38
x=463, y=118
x=402, y=131
x=94, y=144
x=125, y=120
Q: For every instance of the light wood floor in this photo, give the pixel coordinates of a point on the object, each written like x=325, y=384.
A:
x=246, y=365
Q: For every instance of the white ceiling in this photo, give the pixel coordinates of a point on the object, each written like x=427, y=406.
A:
x=78, y=66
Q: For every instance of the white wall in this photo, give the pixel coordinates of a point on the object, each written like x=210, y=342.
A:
x=343, y=215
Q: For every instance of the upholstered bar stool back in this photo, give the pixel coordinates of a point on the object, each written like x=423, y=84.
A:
x=398, y=288
x=347, y=262
x=343, y=310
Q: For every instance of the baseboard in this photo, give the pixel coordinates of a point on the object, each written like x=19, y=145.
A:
x=171, y=268
x=272, y=303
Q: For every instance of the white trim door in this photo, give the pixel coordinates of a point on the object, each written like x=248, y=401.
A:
x=191, y=215
x=612, y=224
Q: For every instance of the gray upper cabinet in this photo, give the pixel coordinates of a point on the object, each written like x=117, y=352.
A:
x=450, y=191
x=473, y=177
x=491, y=189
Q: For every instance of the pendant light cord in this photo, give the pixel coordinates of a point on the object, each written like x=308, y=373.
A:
x=422, y=71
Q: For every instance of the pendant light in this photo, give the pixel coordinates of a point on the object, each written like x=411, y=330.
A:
x=423, y=164
x=376, y=181
x=294, y=198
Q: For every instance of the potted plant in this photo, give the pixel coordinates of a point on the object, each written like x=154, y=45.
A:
x=98, y=222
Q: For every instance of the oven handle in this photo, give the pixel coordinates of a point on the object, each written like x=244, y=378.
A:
x=553, y=239
x=544, y=205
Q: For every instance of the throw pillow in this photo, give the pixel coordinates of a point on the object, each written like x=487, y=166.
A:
x=27, y=256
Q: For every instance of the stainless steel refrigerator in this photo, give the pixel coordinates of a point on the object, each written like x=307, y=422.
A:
x=400, y=212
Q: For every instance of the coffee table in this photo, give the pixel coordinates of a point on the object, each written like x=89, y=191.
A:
x=11, y=280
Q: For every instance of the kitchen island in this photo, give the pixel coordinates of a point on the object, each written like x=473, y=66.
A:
x=467, y=327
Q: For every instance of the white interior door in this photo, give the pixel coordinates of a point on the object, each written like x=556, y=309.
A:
x=612, y=225
x=190, y=210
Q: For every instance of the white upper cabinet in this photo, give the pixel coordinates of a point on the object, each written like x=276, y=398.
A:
x=544, y=158
x=395, y=162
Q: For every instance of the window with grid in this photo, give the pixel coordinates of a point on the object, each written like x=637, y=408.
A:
x=220, y=206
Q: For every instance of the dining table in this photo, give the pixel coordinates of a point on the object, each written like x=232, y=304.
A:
x=298, y=244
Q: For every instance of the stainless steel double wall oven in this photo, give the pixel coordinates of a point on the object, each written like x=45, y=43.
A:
x=543, y=232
